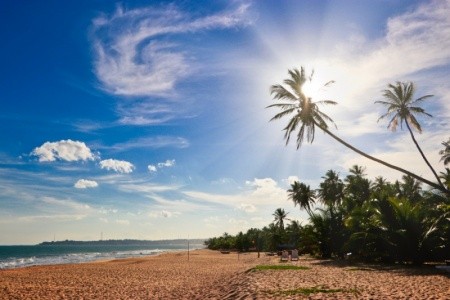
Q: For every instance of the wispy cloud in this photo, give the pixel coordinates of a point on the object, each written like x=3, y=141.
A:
x=140, y=53
x=144, y=113
x=134, y=53
x=149, y=142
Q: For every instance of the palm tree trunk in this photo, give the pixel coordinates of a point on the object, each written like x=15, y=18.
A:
x=423, y=155
x=430, y=183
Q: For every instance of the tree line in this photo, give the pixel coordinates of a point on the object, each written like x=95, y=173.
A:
x=370, y=220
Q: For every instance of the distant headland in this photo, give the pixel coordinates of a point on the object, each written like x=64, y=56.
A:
x=127, y=242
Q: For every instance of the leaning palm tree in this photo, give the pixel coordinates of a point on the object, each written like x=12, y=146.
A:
x=302, y=195
x=280, y=215
x=402, y=109
x=307, y=116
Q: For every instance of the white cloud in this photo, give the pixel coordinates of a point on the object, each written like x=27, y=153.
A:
x=291, y=179
x=247, y=207
x=262, y=192
x=67, y=150
x=119, y=166
x=167, y=164
x=138, y=54
x=131, y=57
x=85, y=183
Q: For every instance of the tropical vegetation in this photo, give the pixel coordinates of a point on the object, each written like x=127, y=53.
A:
x=354, y=216
x=371, y=220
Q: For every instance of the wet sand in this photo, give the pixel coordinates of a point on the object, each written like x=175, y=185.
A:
x=212, y=275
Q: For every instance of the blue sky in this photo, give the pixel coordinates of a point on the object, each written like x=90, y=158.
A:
x=147, y=119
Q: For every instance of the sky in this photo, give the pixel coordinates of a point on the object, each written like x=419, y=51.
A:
x=148, y=119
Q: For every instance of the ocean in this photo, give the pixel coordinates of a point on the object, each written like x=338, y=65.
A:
x=66, y=253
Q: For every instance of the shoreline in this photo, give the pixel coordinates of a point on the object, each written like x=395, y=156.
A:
x=78, y=256
x=211, y=275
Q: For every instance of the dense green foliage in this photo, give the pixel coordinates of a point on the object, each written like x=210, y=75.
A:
x=371, y=220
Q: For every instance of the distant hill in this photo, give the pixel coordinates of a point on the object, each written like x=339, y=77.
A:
x=127, y=242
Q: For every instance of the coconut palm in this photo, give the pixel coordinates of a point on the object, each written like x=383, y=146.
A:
x=302, y=195
x=357, y=188
x=410, y=189
x=307, y=116
x=379, y=183
x=445, y=152
x=445, y=176
x=402, y=109
x=331, y=190
x=280, y=215
x=307, y=113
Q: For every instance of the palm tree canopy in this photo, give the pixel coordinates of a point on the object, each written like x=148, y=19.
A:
x=331, y=190
x=306, y=113
x=445, y=152
x=401, y=107
x=280, y=215
x=302, y=195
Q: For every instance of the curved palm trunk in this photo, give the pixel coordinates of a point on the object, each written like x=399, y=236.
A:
x=423, y=156
x=430, y=183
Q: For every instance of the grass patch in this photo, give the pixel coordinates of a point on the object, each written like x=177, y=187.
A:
x=278, y=267
x=314, y=290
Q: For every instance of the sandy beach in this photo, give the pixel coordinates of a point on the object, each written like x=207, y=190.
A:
x=212, y=275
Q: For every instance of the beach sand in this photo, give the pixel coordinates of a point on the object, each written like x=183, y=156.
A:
x=212, y=275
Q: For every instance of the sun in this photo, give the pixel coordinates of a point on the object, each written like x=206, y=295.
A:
x=310, y=89
x=316, y=88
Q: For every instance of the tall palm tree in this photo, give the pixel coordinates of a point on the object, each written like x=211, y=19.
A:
x=402, y=108
x=331, y=190
x=410, y=189
x=445, y=152
x=379, y=183
x=302, y=195
x=280, y=215
x=357, y=188
x=308, y=116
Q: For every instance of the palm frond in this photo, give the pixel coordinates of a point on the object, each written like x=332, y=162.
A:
x=279, y=92
x=290, y=127
x=330, y=102
x=393, y=123
x=421, y=98
x=329, y=83
x=282, y=114
x=419, y=110
x=413, y=122
x=390, y=95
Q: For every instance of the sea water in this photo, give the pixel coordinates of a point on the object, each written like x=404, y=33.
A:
x=24, y=256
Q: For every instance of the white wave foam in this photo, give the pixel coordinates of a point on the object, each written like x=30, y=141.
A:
x=13, y=262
